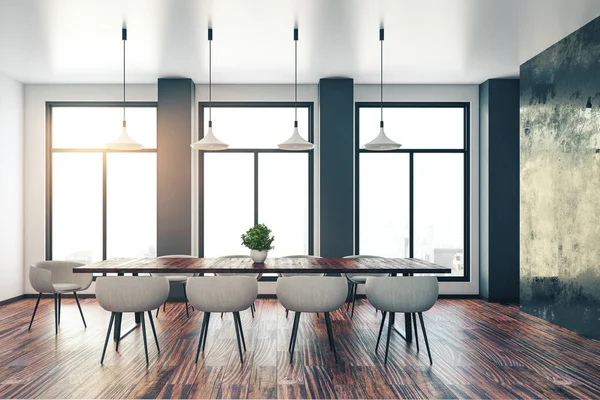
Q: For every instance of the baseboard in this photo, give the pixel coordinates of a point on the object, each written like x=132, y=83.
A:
x=12, y=300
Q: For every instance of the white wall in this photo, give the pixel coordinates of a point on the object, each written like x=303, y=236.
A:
x=11, y=186
x=36, y=97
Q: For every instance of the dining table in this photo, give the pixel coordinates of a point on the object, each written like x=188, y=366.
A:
x=325, y=265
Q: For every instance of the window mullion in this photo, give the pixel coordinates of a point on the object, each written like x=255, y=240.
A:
x=255, y=187
x=104, y=217
x=411, y=203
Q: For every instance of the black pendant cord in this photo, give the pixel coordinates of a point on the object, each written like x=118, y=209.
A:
x=295, y=77
x=210, y=77
x=381, y=76
x=124, y=36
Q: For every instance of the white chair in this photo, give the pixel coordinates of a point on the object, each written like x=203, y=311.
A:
x=311, y=294
x=256, y=276
x=222, y=294
x=400, y=294
x=57, y=277
x=177, y=277
x=358, y=278
x=290, y=274
x=131, y=294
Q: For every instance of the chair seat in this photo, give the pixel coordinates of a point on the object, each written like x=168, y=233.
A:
x=66, y=287
x=176, y=278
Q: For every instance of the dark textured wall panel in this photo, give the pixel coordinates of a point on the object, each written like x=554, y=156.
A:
x=560, y=183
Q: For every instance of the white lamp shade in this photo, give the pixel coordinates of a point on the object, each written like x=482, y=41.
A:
x=382, y=142
x=209, y=142
x=124, y=142
x=296, y=142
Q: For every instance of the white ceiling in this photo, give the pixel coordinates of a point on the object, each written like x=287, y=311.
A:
x=427, y=41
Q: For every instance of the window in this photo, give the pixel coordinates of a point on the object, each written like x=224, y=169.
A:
x=100, y=203
x=255, y=182
x=413, y=202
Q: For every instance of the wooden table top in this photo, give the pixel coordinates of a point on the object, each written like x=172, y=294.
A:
x=271, y=265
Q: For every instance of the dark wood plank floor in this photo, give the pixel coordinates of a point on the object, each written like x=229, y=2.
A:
x=480, y=350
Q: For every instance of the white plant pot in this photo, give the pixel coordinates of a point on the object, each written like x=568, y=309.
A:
x=258, y=256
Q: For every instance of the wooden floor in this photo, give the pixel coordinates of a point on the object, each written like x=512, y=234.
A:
x=480, y=350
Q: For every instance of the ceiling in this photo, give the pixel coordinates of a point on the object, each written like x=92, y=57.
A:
x=426, y=41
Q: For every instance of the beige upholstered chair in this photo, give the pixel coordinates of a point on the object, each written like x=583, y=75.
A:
x=222, y=294
x=399, y=294
x=289, y=274
x=57, y=277
x=135, y=294
x=356, y=279
x=180, y=278
x=312, y=294
x=256, y=276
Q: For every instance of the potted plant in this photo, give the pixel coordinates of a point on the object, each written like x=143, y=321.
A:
x=258, y=239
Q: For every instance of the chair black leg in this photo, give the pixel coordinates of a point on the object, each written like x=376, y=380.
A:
x=110, y=324
x=252, y=311
x=425, y=336
x=350, y=299
x=237, y=334
x=37, y=303
x=330, y=334
x=206, y=332
x=56, y=313
x=79, y=306
x=389, y=333
x=286, y=313
x=414, y=320
x=353, y=300
x=221, y=315
x=153, y=330
x=294, y=334
x=380, y=330
x=165, y=306
x=187, y=313
x=118, y=320
x=238, y=320
x=144, y=336
x=294, y=330
x=202, y=333
x=157, y=310
x=59, y=306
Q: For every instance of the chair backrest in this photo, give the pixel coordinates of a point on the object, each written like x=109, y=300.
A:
x=174, y=273
x=131, y=293
x=59, y=272
x=312, y=293
x=353, y=274
x=406, y=294
x=222, y=293
x=289, y=274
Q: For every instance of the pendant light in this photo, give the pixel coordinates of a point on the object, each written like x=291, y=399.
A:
x=210, y=141
x=381, y=141
x=296, y=142
x=124, y=141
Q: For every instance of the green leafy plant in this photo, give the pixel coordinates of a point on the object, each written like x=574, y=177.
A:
x=258, y=238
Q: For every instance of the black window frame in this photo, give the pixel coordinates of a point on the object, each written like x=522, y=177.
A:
x=258, y=104
x=411, y=152
x=50, y=105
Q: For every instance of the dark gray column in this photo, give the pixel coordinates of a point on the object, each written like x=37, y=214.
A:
x=499, y=189
x=175, y=125
x=336, y=115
